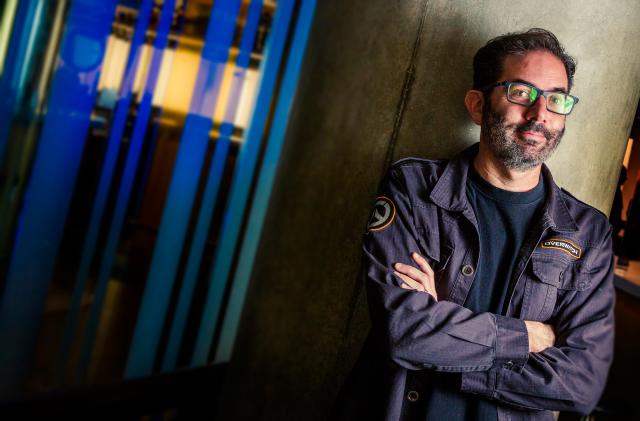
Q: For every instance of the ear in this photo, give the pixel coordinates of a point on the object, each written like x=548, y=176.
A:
x=474, y=101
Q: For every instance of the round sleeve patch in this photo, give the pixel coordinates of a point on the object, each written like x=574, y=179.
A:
x=382, y=215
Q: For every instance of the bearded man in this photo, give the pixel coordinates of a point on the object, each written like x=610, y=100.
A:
x=489, y=287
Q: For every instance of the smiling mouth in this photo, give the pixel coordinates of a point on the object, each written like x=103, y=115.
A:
x=527, y=140
x=528, y=133
x=531, y=139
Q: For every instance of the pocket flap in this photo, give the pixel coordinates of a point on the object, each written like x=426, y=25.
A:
x=576, y=277
x=437, y=254
x=548, y=271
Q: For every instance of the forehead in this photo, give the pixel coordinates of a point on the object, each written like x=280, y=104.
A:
x=540, y=68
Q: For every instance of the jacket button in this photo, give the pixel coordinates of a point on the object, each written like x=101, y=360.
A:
x=412, y=396
x=467, y=270
x=508, y=365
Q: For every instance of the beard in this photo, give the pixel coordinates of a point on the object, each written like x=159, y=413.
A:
x=501, y=140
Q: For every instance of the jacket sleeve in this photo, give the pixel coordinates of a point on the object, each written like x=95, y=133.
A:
x=415, y=330
x=570, y=376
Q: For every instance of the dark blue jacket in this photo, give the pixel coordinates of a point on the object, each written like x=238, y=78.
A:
x=563, y=277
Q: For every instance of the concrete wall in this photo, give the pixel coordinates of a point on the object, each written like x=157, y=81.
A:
x=382, y=80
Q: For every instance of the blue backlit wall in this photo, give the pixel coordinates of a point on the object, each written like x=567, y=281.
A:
x=133, y=163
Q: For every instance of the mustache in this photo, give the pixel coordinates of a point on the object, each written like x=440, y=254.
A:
x=535, y=127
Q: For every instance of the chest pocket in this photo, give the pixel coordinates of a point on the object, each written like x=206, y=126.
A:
x=576, y=277
x=541, y=288
x=436, y=252
x=548, y=280
x=435, y=245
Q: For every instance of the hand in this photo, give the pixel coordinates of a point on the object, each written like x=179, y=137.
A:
x=541, y=336
x=418, y=280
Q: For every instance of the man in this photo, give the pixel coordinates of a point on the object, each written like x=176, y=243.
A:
x=489, y=288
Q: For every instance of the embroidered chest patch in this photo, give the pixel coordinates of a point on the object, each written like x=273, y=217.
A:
x=382, y=215
x=562, y=245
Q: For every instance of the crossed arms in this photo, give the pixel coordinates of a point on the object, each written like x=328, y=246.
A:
x=522, y=364
x=540, y=335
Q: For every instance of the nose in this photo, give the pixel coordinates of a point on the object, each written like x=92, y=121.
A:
x=538, y=111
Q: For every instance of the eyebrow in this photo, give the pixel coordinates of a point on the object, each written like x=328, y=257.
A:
x=556, y=89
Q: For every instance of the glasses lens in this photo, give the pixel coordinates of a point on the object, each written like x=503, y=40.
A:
x=560, y=103
x=522, y=94
x=526, y=95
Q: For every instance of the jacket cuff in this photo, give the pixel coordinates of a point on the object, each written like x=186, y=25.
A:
x=479, y=382
x=512, y=343
x=511, y=353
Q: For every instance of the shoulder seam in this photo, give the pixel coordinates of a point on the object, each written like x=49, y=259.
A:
x=582, y=203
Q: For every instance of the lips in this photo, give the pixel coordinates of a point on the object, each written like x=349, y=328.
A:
x=529, y=133
x=534, y=130
x=532, y=138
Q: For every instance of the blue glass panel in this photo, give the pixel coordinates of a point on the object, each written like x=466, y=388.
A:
x=18, y=64
x=265, y=183
x=49, y=192
x=106, y=177
x=182, y=189
x=242, y=182
x=126, y=185
x=211, y=189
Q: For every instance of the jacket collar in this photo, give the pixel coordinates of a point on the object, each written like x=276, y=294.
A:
x=450, y=192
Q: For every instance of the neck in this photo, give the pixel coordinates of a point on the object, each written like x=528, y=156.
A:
x=496, y=174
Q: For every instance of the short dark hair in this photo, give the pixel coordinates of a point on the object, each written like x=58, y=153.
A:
x=488, y=62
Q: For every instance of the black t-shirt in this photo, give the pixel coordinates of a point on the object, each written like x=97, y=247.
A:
x=503, y=218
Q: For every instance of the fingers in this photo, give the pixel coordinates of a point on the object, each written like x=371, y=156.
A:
x=413, y=273
x=410, y=283
x=541, y=336
x=424, y=275
x=550, y=334
x=416, y=279
x=426, y=268
x=417, y=287
x=422, y=263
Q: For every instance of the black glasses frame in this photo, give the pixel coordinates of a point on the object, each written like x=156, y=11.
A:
x=508, y=84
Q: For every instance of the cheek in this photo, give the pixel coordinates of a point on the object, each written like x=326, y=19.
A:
x=557, y=124
x=514, y=116
x=512, y=112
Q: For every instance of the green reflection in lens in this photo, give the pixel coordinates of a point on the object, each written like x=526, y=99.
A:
x=568, y=103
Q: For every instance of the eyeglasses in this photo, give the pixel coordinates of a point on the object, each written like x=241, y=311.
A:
x=522, y=93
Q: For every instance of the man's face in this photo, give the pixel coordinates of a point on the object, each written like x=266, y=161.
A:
x=523, y=137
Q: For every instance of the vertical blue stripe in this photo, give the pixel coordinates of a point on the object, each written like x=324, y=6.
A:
x=182, y=190
x=211, y=189
x=17, y=65
x=50, y=189
x=242, y=182
x=126, y=185
x=106, y=177
x=265, y=183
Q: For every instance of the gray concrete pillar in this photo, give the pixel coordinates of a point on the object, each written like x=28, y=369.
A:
x=383, y=80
